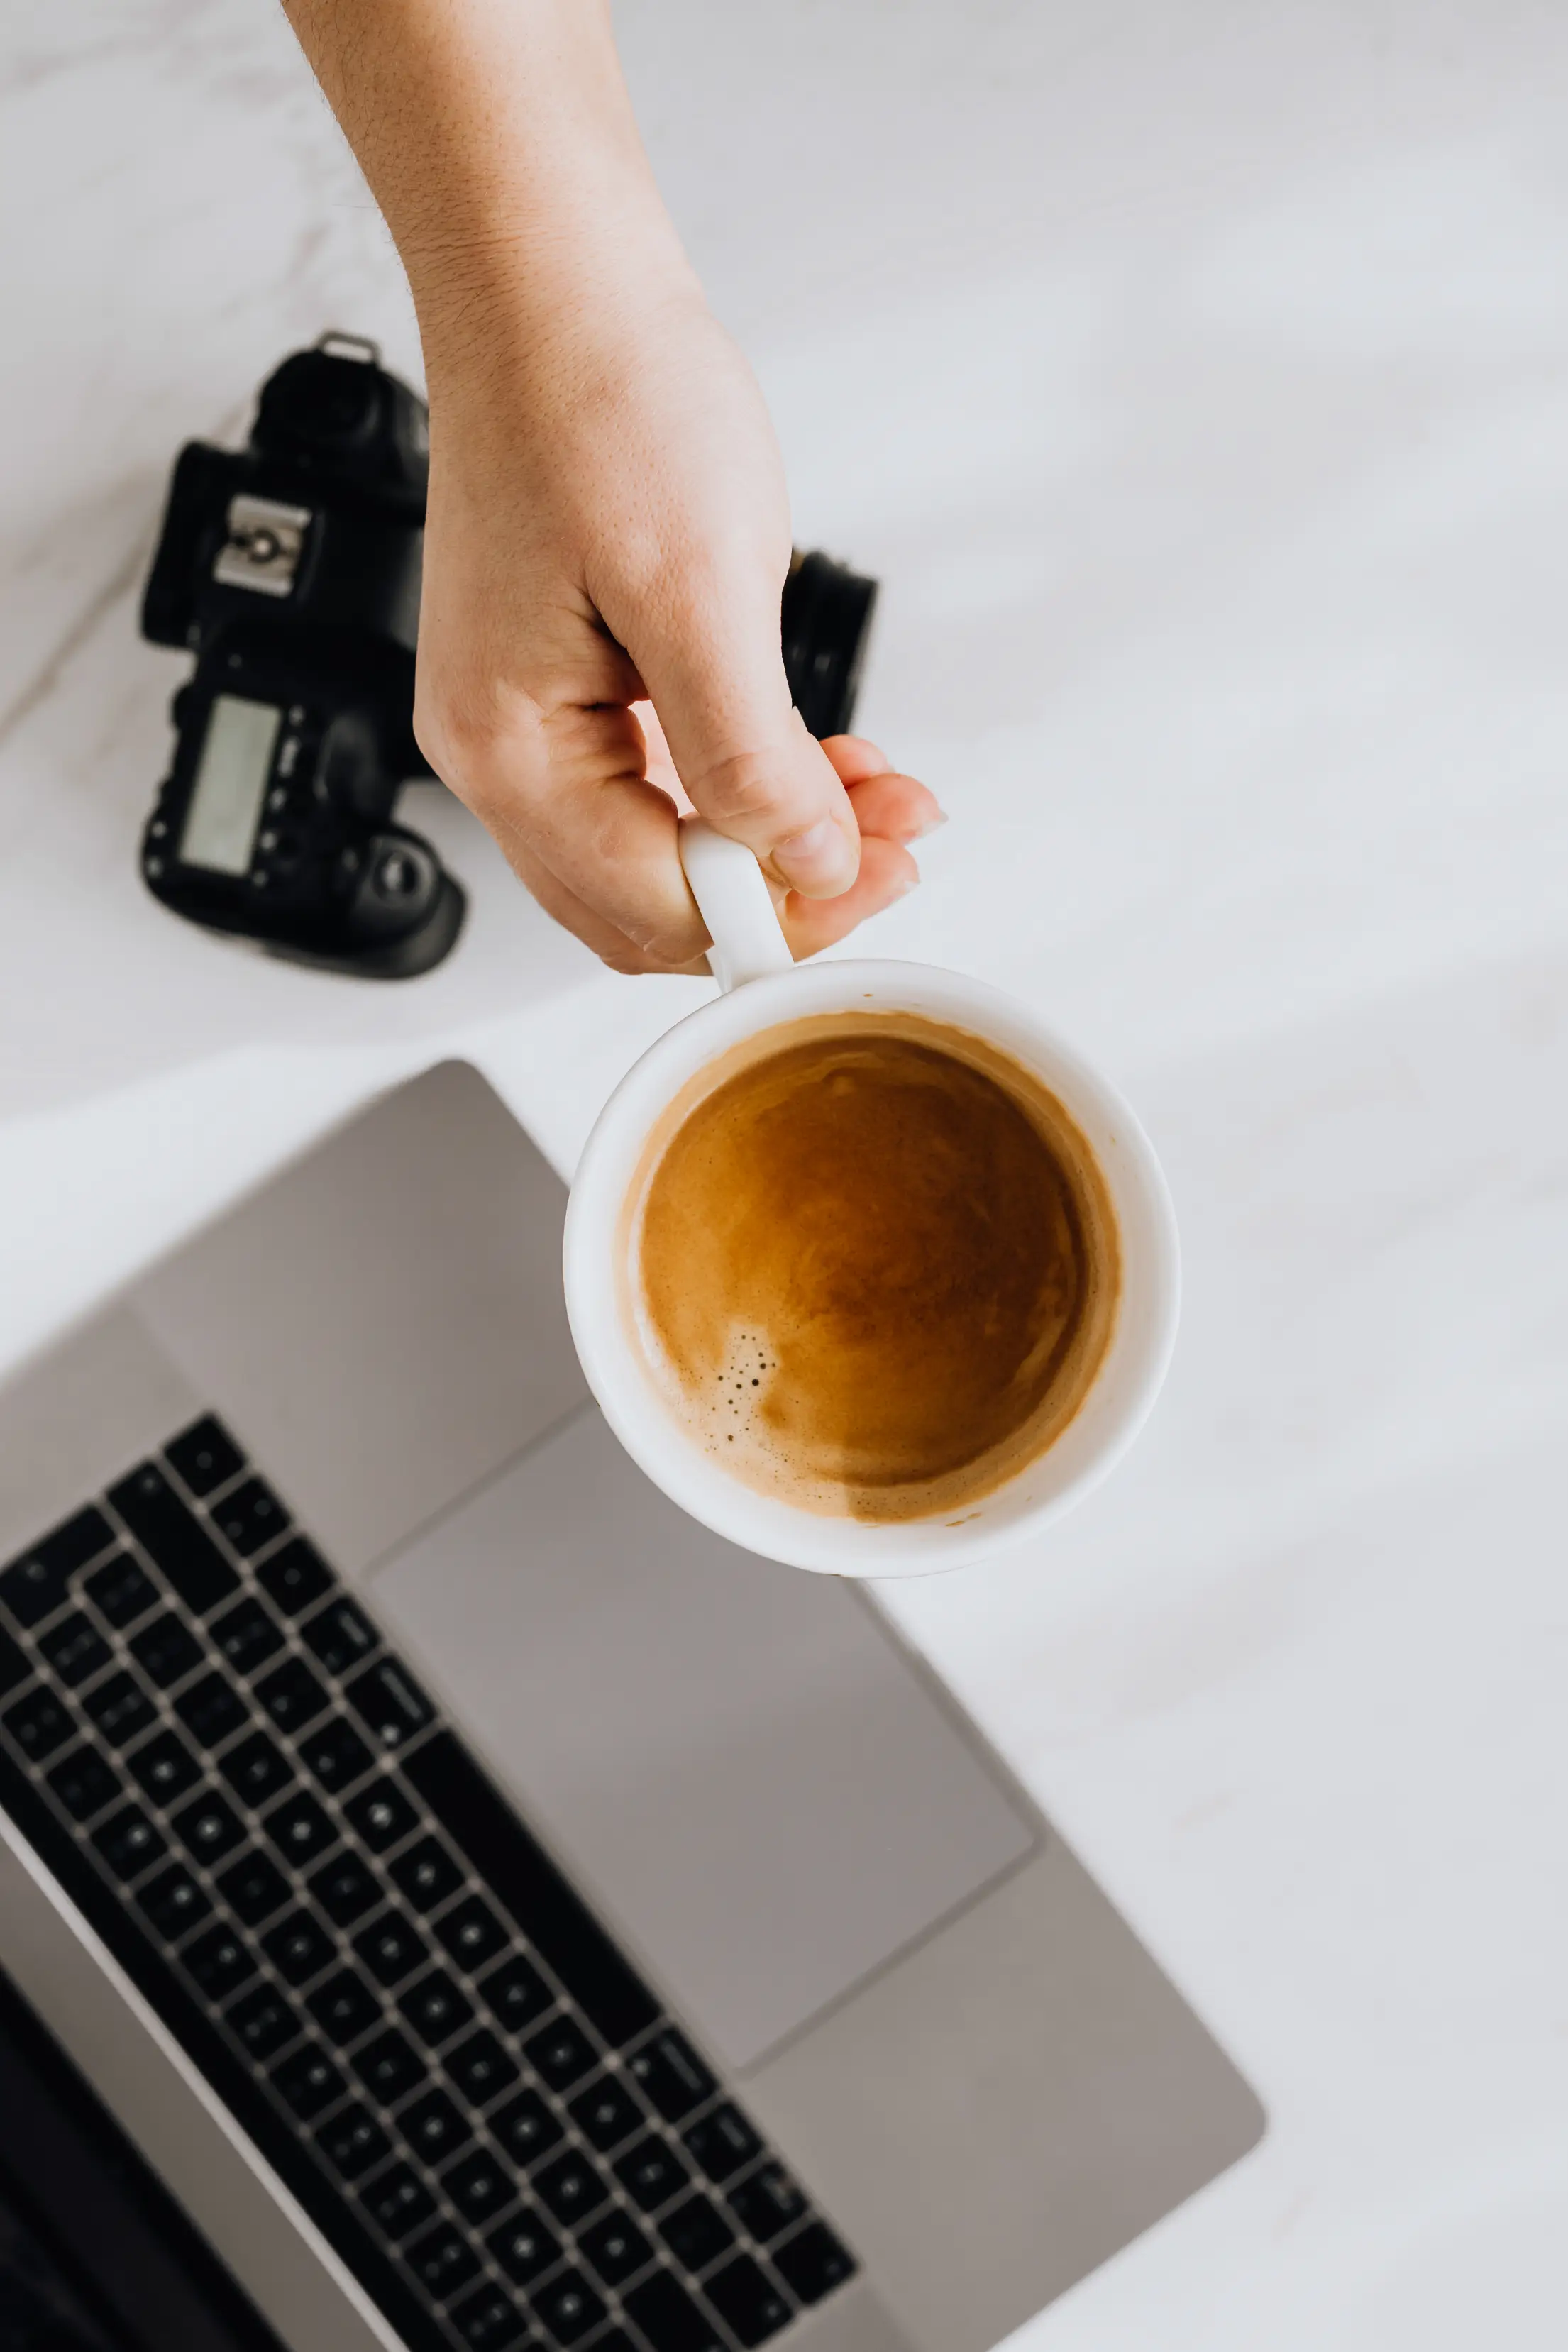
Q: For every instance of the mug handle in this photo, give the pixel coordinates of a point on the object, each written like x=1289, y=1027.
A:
x=733, y=901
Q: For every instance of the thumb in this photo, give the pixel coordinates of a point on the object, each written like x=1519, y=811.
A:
x=716, y=678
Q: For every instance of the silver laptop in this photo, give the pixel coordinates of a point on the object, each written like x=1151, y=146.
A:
x=504, y=1914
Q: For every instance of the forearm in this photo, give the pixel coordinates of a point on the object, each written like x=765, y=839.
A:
x=498, y=141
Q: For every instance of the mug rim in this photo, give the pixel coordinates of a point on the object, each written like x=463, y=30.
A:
x=1120, y=1396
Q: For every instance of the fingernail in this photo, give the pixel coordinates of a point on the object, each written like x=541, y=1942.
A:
x=818, y=859
x=932, y=824
x=907, y=883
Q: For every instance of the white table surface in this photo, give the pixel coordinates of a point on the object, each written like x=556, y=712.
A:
x=1196, y=379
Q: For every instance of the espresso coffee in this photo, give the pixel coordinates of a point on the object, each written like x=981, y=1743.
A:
x=872, y=1264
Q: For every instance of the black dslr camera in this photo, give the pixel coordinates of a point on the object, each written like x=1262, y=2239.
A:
x=290, y=567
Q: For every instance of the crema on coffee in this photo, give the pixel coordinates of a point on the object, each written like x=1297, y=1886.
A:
x=872, y=1264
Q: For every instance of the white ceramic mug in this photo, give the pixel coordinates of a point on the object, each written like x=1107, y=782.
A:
x=763, y=987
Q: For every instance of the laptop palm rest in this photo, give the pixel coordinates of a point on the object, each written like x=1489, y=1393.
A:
x=734, y=1757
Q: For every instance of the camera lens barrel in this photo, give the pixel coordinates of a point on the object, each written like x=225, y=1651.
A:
x=826, y=622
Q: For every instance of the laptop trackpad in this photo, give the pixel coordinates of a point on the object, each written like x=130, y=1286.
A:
x=730, y=1756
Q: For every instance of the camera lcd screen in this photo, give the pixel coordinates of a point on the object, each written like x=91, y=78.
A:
x=231, y=783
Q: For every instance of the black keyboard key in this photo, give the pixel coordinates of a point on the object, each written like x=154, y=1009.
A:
x=130, y=1844
x=167, y=1650
x=814, y=2263
x=767, y=2204
x=33, y=1587
x=472, y=1933
x=253, y=1887
x=75, y=1648
x=341, y=1634
x=666, y=2316
x=250, y=1516
x=425, y=1873
x=567, y=2306
x=334, y=1754
x=381, y=1815
x=122, y=1590
x=480, y=2068
x=389, y=1701
x=209, y=1827
x=212, y=1711
x=748, y=2301
x=525, y=2248
x=571, y=2187
x=219, y=1962
x=39, y=1723
x=696, y=2233
x=397, y=2200
x=480, y=2186
x=14, y=1663
x=651, y=2174
x=346, y=1889
x=298, y=1947
x=442, y=2261
x=489, y=2321
x=517, y=1994
x=526, y=2128
x=164, y=1767
x=344, y=2008
x=120, y=1709
x=434, y=2129
x=606, y=2114
x=560, y=2052
x=617, y=2249
x=173, y=1901
x=294, y=1576
x=256, y=1770
x=84, y=1783
x=205, y=1455
x=670, y=2074
x=392, y=1949
x=435, y=2008
x=723, y=2142
x=307, y=2082
x=170, y=1534
x=292, y=1696
x=301, y=1829
x=526, y=1883
x=389, y=2066
x=246, y=1636
x=352, y=2141
x=263, y=2023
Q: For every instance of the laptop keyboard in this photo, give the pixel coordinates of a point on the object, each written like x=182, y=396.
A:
x=436, y=2046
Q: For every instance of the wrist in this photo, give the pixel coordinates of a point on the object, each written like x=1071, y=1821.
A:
x=527, y=183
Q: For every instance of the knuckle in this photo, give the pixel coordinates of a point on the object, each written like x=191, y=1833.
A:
x=743, y=788
x=479, y=736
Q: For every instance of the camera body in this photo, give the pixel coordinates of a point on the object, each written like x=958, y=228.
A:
x=291, y=570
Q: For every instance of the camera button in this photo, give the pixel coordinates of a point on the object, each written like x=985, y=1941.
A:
x=398, y=875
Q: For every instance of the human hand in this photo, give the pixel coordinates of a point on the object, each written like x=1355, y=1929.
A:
x=607, y=523
x=607, y=528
